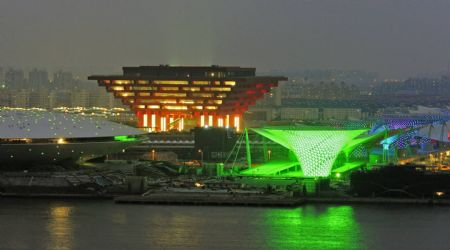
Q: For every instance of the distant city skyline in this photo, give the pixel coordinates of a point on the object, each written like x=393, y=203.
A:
x=393, y=38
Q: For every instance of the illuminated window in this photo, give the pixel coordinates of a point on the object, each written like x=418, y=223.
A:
x=125, y=94
x=166, y=101
x=169, y=88
x=167, y=82
x=153, y=106
x=191, y=89
x=144, y=94
x=143, y=88
x=221, y=95
x=210, y=107
x=141, y=106
x=200, y=82
x=118, y=88
x=220, y=122
x=171, y=94
x=184, y=101
x=221, y=89
x=197, y=107
x=217, y=89
x=122, y=82
x=106, y=81
x=214, y=101
x=202, y=95
x=143, y=82
x=230, y=83
x=175, y=107
x=216, y=82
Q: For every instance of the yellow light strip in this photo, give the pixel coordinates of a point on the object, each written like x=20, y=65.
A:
x=181, y=124
x=153, y=121
x=145, y=121
x=163, y=124
x=210, y=120
x=236, y=123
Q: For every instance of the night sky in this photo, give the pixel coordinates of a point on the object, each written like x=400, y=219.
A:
x=395, y=38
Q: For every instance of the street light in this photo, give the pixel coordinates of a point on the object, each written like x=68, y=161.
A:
x=153, y=154
x=201, y=156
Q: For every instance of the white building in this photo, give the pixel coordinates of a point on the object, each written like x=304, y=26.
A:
x=40, y=136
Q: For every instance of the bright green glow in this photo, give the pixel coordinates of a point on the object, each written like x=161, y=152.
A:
x=315, y=149
x=351, y=145
x=269, y=168
x=124, y=138
x=313, y=227
x=348, y=166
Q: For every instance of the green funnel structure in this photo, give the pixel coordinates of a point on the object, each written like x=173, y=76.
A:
x=316, y=148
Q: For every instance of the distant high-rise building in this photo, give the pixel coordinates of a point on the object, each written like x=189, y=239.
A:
x=63, y=80
x=20, y=98
x=5, y=98
x=38, y=79
x=38, y=99
x=102, y=99
x=2, y=76
x=80, y=98
x=60, y=98
x=15, y=79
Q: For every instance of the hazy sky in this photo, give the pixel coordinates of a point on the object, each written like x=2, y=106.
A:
x=394, y=38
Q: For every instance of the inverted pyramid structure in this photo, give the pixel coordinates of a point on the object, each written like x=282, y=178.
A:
x=316, y=150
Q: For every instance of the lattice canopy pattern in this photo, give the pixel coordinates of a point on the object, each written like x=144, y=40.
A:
x=315, y=149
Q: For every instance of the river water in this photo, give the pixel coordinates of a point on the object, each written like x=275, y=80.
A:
x=93, y=224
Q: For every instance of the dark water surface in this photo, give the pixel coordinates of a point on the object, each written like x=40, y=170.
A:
x=90, y=224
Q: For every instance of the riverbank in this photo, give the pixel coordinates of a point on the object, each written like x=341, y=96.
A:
x=259, y=200
x=211, y=199
x=266, y=200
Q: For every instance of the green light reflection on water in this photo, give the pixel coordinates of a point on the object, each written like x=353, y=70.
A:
x=313, y=227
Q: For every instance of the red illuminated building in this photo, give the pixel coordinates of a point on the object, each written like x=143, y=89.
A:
x=166, y=98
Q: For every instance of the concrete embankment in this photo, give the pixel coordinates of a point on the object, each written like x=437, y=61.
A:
x=171, y=198
x=264, y=200
x=202, y=199
x=379, y=200
x=56, y=195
